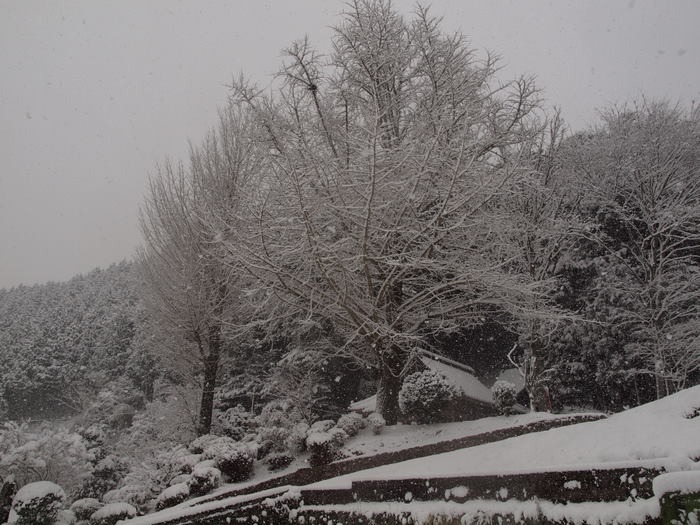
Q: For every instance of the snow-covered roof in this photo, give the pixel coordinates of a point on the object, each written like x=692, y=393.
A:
x=468, y=383
x=512, y=375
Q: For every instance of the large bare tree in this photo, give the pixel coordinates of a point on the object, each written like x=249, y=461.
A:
x=188, y=286
x=381, y=201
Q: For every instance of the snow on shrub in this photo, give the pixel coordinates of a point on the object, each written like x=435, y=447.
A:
x=85, y=507
x=136, y=495
x=296, y=440
x=235, y=422
x=279, y=460
x=203, y=480
x=172, y=496
x=339, y=436
x=322, y=447
x=198, y=445
x=65, y=517
x=322, y=426
x=44, y=454
x=424, y=396
x=504, y=397
x=272, y=439
x=180, y=478
x=351, y=423
x=207, y=463
x=232, y=458
x=185, y=464
x=111, y=513
x=376, y=423
x=37, y=503
x=279, y=413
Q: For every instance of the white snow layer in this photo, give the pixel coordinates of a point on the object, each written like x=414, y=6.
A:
x=657, y=433
x=683, y=482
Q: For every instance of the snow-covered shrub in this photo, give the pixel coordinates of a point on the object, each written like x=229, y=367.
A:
x=65, y=517
x=376, y=423
x=37, y=503
x=424, y=396
x=232, y=458
x=272, y=439
x=105, y=476
x=279, y=413
x=163, y=424
x=85, y=507
x=199, y=444
x=279, y=460
x=235, y=422
x=203, y=480
x=180, y=478
x=296, y=440
x=351, y=423
x=111, y=513
x=44, y=454
x=172, y=496
x=322, y=426
x=205, y=463
x=322, y=447
x=136, y=495
x=339, y=436
x=504, y=397
x=154, y=472
x=186, y=463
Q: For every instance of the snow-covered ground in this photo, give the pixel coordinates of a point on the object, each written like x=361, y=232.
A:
x=658, y=433
x=398, y=437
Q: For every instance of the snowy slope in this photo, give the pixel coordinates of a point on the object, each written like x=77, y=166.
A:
x=658, y=432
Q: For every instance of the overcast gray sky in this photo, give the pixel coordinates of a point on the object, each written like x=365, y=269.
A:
x=94, y=93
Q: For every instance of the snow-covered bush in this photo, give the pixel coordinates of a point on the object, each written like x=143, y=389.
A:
x=425, y=396
x=105, y=476
x=111, y=513
x=504, y=397
x=279, y=413
x=136, y=495
x=154, y=472
x=163, y=424
x=272, y=439
x=296, y=440
x=205, y=463
x=186, y=463
x=322, y=447
x=339, y=436
x=235, y=422
x=37, y=503
x=199, y=444
x=203, y=480
x=180, y=478
x=85, y=507
x=232, y=458
x=172, y=496
x=376, y=423
x=65, y=517
x=279, y=460
x=51, y=454
x=351, y=423
x=322, y=426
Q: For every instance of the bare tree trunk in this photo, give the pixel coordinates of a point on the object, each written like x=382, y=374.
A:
x=211, y=369
x=534, y=379
x=389, y=385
